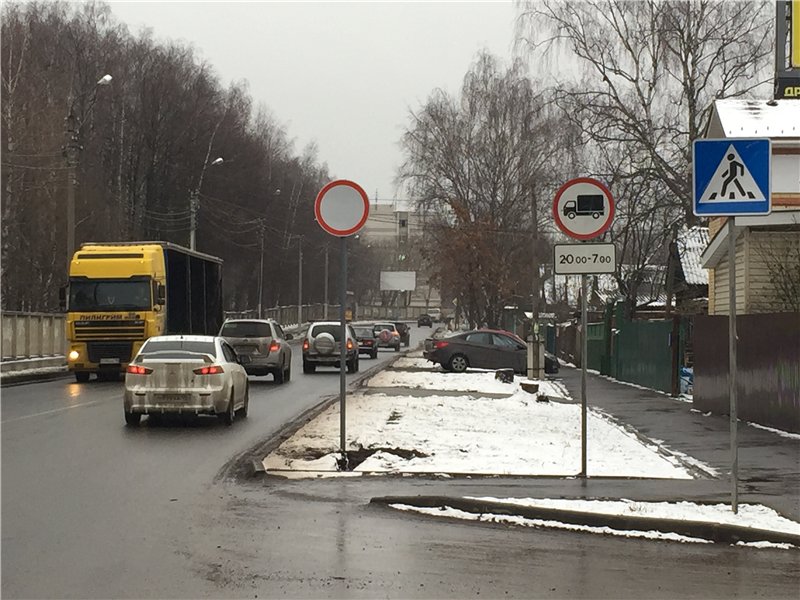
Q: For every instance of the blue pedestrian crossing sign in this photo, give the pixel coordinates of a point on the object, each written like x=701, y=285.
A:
x=732, y=176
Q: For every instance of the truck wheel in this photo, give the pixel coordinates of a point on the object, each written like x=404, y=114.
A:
x=81, y=376
x=596, y=215
x=570, y=215
x=131, y=418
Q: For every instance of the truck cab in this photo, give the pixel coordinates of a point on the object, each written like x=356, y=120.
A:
x=121, y=294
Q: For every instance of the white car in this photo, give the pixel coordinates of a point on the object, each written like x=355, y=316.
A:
x=186, y=374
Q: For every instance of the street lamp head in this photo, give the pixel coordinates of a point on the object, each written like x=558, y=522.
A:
x=217, y=161
x=105, y=79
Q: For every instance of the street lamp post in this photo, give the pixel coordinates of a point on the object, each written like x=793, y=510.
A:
x=194, y=203
x=72, y=147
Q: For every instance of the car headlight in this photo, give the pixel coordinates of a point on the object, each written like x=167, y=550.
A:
x=74, y=355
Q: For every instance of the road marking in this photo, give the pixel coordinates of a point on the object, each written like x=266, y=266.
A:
x=55, y=410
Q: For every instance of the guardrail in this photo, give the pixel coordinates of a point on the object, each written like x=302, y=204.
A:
x=32, y=335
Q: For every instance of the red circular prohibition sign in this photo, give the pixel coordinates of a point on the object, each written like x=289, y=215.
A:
x=603, y=228
x=318, y=212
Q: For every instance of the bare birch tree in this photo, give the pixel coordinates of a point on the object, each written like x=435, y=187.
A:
x=477, y=164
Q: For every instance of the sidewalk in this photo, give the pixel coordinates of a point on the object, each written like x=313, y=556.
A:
x=769, y=464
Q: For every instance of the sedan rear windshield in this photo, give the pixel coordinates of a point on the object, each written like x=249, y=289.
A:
x=178, y=346
x=363, y=331
x=246, y=329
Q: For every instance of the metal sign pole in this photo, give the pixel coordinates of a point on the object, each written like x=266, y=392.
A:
x=343, y=352
x=584, y=355
x=732, y=362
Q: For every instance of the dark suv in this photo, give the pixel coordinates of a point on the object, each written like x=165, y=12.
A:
x=322, y=345
x=424, y=321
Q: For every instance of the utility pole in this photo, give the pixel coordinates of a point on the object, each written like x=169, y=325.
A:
x=300, y=280
x=71, y=148
x=261, y=272
x=71, y=154
x=194, y=202
x=325, y=305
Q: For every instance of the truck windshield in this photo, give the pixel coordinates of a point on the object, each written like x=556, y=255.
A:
x=109, y=294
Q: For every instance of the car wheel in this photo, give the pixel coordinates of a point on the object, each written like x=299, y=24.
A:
x=358, y=364
x=308, y=367
x=351, y=366
x=458, y=363
x=374, y=354
x=132, y=419
x=397, y=348
x=246, y=406
x=287, y=374
x=280, y=375
x=229, y=416
x=81, y=376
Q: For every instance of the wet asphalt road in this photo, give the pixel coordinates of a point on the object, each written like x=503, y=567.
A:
x=92, y=509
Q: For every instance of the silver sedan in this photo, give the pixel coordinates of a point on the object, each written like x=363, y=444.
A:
x=186, y=374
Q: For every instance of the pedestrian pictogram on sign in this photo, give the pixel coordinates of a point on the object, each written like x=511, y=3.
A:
x=731, y=177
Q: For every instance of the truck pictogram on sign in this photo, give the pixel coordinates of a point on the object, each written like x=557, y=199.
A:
x=586, y=205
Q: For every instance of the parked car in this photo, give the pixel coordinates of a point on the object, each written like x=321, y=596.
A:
x=424, y=321
x=405, y=332
x=367, y=339
x=262, y=346
x=388, y=336
x=483, y=349
x=185, y=374
x=322, y=346
x=436, y=314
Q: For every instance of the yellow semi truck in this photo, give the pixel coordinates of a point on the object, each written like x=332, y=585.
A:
x=120, y=294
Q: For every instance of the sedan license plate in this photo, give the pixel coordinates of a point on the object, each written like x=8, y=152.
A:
x=173, y=398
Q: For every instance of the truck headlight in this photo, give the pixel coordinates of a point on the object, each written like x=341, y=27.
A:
x=74, y=355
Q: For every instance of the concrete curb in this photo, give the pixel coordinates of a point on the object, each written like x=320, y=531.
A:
x=14, y=378
x=716, y=532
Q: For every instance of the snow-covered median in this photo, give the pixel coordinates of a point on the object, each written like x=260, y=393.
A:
x=482, y=382
x=514, y=435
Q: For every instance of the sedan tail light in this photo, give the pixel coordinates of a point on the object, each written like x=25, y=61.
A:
x=440, y=345
x=274, y=346
x=212, y=370
x=138, y=370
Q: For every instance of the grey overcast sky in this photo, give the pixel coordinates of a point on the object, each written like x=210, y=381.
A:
x=342, y=74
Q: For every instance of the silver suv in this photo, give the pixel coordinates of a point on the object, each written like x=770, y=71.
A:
x=261, y=345
x=322, y=345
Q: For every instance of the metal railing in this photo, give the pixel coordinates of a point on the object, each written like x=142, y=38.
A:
x=33, y=335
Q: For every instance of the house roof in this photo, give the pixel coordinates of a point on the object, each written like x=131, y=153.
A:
x=736, y=118
x=692, y=243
